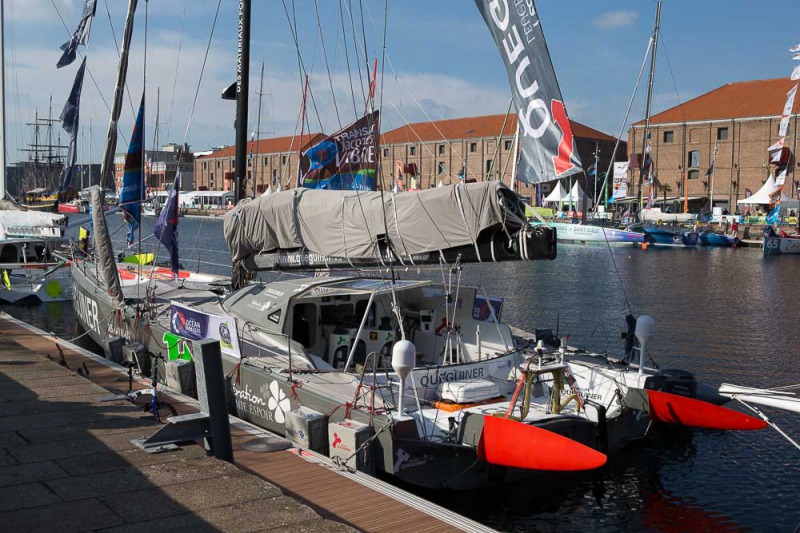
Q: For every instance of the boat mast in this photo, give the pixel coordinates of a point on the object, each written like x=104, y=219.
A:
x=2, y=106
x=713, y=169
x=107, y=163
x=258, y=132
x=242, y=91
x=649, y=101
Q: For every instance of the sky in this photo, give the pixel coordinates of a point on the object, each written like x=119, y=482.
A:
x=436, y=60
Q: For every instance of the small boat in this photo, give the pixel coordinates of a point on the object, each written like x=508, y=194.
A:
x=666, y=235
x=712, y=238
x=781, y=244
x=40, y=200
x=587, y=233
x=655, y=214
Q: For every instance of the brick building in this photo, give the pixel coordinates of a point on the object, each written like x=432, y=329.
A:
x=161, y=167
x=439, y=150
x=741, y=120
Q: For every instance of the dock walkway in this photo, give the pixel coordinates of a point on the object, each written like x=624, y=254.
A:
x=67, y=463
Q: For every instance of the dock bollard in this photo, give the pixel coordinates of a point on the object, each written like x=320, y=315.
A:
x=212, y=396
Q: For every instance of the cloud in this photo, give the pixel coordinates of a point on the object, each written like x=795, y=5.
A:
x=615, y=19
x=39, y=10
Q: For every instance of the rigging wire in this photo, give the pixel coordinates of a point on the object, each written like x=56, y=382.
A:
x=114, y=34
x=327, y=64
x=177, y=69
x=347, y=56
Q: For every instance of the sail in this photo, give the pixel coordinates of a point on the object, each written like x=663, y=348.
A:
x=346, y=160
x=132, y=191
x=70, y=116
x=547, y=146
x=473, y=221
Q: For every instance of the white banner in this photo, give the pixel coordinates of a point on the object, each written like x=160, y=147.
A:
x=197, y=325
x=781, y=179
x=620, y=180
x=787, y=111
x=796, y=71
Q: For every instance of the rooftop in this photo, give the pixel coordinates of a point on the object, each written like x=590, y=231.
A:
x=742, y=99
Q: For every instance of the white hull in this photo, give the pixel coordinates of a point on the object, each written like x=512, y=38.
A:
x=32, y=286
x=594, y=234
x=655, y=215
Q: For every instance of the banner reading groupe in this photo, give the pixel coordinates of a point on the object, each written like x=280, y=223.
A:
x=196, y=325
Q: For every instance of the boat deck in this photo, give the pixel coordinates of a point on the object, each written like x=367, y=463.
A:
x=348, y=498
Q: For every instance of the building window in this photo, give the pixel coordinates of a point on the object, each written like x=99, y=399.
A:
x=722, y=134
x=669, y=136
x=283, y=159
x=693, y=160
x=249, y=174
x=250, y=161
x=205, y=165
x=440, y=168
x=473, y=147
x=507, y=145
x=265, y=160
x=233, y=164
x=441, y=149
x=385, y=152
x=412, y=150
x=693, y=175
x=219, y=163
x=489, y=164
x=274, y=175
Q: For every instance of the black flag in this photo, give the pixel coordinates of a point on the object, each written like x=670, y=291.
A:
x=81, y=35
x=69, y=121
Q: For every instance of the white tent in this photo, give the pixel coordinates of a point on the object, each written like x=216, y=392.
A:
x=557, y=194
x=576, y=196
x=764, y=196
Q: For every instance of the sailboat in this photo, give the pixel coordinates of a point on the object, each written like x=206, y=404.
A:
x=29, y=240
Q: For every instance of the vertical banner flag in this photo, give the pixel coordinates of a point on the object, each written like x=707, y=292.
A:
x=70, y=121
x=346, y=160
x=787, y=112
x=80, y=36
x=166, y=228
x=780, y=179
x=132, y=191
x=620, y=180
x=547, y=148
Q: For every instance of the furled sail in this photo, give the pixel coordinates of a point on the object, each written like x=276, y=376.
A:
x=547, y=146
x=306, y=228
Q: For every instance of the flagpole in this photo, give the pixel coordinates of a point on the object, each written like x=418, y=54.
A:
x=713, y=169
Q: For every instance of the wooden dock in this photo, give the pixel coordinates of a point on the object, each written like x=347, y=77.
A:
x=290, y=489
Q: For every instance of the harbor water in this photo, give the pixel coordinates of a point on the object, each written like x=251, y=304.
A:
x=727, y=315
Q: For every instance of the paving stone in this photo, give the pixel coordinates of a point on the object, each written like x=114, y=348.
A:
x=76, y=447
x=95, y=485
x=73, y=389
x=25, y=376
x=191, y=470
x=97, y=427
x=62, y=380
x=279, y=512
x=24, y=496
x=85, y=515
x=183, y=523
x=29, y=472
x=22, y=407
x=104, y=462
x=81, y=416
x=316, y=526
x=217, y=492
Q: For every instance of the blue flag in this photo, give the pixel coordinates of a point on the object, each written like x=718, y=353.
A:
x=70, y=121
x=772, y=218
x=132, y=191
x=166, y=228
